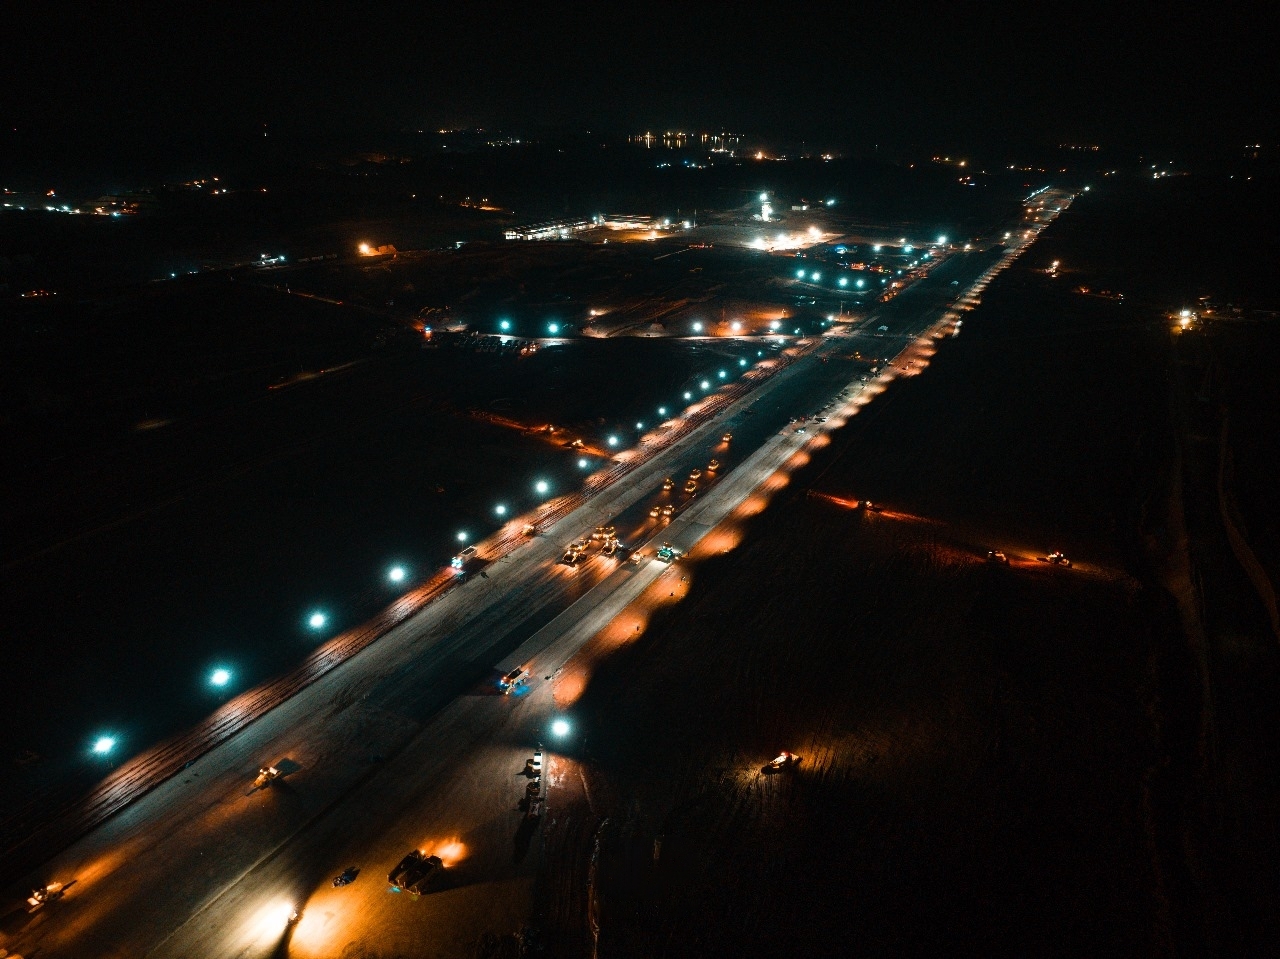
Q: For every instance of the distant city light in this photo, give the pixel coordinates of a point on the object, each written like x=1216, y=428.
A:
x=800, y=274
x=706, y=385
x=583, y=463
x=639, y=425
x=662, y=411
x=817, y=275
x=613, y=441
x=104, y=744
x=859, y=283
x=908, y=248
x=554, y=328
x=500, y=510
x=220, y=677
x=844, y=281
x=736, y=326
x=876, y=248
x=774, y=324
x=721, y=374
x=688, y=396
x=697, y=327
x=504, y=325
x=763, y=197
x=317, y=620
x=742, y=362
x=942, y=240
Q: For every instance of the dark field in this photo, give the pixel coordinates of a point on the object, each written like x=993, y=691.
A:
x=997, y=760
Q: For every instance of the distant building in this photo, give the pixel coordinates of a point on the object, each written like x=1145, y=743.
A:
x=549, y=230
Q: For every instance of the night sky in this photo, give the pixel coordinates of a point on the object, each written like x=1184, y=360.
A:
x=924, y=76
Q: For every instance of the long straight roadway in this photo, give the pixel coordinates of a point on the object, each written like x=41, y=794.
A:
x=411, y=744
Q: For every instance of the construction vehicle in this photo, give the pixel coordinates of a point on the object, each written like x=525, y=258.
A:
x=512, y=679
x=41, y=897
x=460, y=561
x=415, y=871
x=784, y=761
x=1057, y=558
x=666, y=553
x=266, y=775
x=997, y=556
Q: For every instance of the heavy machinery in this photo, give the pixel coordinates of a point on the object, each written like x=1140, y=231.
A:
x=573, y=555
x=666, y=553
x=460, y=561
x=997, y=556
x=415, y=871
x=41, y=897
x=266, y=775
x=1057, y=558
x=512, y=679
x=784, y=762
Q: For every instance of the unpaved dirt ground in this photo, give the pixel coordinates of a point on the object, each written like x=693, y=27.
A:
x=996, y=760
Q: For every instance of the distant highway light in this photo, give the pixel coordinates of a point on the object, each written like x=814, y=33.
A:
x=317, y=620
x=554, y=328
x=814, y=231
x=541, y=486
x=860, y=284
x=662, y=411
x=396, y=574
x=908, y=248
x=775, y=324
x=462, y=537
x=639, y=426
x=764, y=196
x=800, y=274
x=220, y=677
x=844, y=281
x=688, y=396
x=697, y=327
x=500, y=510
x=583, y=464
x=706, y=385
x=817, y=276
x=104, y=744
x=876, y=248
x=736, y=326
x=364, y=248
x=742, y=362
x=504, y=325
x=721, y=374
x=613, y=441
x=560, y=727
x=942, y=241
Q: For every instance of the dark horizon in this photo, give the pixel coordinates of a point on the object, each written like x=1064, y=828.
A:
x=105, y=82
